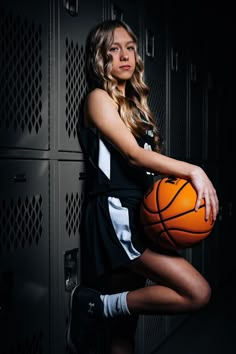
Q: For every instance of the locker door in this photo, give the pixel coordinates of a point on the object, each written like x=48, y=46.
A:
x=126, y=10
x=152, y=330
x=178, y=103
x=197, y=81
x=154, y=55
x=24, y=257
x=197, y=116
x=24, y=46
x=73, y=25
x=177, y=80
x=73, y=21
x=66, y=215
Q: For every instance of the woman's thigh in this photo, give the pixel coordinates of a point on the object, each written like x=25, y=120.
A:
x=169, y=269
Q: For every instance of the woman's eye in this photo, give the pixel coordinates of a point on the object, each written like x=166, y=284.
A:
x=131, y=48
x=114, y=49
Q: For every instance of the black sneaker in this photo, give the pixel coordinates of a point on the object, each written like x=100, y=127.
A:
x=86, y=310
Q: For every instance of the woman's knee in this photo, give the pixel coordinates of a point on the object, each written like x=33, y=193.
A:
x=201, y=295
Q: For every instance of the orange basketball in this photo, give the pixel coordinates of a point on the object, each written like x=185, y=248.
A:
x=168, y=216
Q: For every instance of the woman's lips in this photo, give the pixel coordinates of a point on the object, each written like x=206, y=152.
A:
x=125, y=67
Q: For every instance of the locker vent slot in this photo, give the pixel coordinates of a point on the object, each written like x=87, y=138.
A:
x=20, y=223
x=157, y=104
x=20, y=74
x=73, y=213
x=76, y=87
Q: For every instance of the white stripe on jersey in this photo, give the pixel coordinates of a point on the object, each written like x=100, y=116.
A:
x=104, y=159
x=120, y=220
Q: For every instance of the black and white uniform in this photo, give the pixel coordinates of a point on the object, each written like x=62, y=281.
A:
x=111, y=234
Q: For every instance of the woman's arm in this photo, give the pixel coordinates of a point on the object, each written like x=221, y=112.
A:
x=101, y=112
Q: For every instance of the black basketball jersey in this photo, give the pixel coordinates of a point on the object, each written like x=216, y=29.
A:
x=108, y=171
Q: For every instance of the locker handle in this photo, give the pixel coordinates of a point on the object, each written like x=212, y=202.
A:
x=72, y=7
x=19, y=178
x=193, y=72
x=71, y=268
x=82, y=176
x=174, y=60
x=150, y=42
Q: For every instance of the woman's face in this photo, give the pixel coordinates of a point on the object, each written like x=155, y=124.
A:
x=123, y=55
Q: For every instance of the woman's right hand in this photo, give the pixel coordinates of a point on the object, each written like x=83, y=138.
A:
x=205, y=190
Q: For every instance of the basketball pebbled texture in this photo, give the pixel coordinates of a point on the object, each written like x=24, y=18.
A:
x=168, y=216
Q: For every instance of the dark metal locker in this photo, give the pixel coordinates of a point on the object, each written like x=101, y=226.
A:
x=197, y=114
x=177, y=83
x=154, y=55
x=178, y=104
x=24, y=256
x=124, y=10
x=72, y=22
x=65, y=257
x=197, y=123
x=24, y=43
x=152, y=330
x=42, y=171
x=71, y=31
x=198, y=85
x=24, y=197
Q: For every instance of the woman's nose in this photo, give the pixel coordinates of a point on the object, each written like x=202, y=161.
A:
x=124, y=55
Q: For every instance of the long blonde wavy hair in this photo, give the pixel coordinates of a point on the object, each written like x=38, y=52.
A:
x=133, y=108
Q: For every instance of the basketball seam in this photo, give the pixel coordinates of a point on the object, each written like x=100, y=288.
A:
x=162, y=221
x=167, y=206
x=188, y=231
x=166, y=232
x=175, y=196
x=172, y=217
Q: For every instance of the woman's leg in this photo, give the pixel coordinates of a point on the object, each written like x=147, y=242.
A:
x=183, y=288
x=122, y=329
x=178, y=288
x=123, y=335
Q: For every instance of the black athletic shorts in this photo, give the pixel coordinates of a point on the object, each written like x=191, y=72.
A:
x=111, y=235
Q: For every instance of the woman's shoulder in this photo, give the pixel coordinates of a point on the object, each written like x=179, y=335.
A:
x=99, y=96
x=97, y=93
x=98, y=104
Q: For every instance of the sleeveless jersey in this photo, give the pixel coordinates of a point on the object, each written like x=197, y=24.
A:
x=108, y=172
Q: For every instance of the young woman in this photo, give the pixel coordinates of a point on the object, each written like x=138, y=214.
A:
x=121, y=145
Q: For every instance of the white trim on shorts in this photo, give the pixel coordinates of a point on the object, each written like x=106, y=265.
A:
x=120, y=220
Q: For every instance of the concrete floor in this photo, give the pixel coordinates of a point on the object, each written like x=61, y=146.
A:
x=210, y=331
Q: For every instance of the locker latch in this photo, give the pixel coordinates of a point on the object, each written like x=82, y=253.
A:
x=72, y=7
x=71, y=268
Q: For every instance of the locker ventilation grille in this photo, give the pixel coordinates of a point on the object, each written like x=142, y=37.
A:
x=157, y=104
x=76, y=86
x=21, y=223
x=20, y=74
x=73, y=213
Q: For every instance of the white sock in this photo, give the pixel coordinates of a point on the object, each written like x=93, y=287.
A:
x=115, y=304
